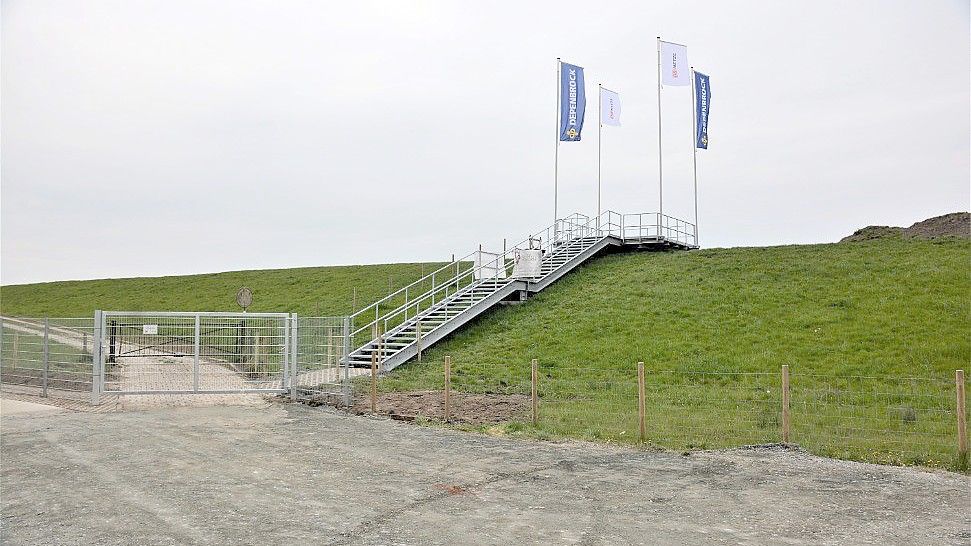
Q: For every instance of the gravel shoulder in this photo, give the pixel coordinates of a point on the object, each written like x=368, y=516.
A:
x=285, y=474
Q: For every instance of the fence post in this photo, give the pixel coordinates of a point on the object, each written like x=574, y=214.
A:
x=345, y=352
x=47, y=353
x=195, y=354
x=534, y=380
x=374, y=379
x=97, y=357
x=962, y=423
x=16, y=348
x=286, y=354
x=448, y=387
x=294, y=341
x=641, y=403
x=785, y=404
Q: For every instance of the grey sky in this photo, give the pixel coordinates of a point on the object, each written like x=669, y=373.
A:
x=167, y=137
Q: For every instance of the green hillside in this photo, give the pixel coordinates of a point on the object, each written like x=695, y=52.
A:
x=319, y=291
x=872, y=332
x=890, y=306
x=897, y=306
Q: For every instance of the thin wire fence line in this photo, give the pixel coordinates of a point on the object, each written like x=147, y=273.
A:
x=883, y=419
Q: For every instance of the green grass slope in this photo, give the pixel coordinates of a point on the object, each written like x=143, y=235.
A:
x=318, y=291
x=714, y=328
x=896, y=307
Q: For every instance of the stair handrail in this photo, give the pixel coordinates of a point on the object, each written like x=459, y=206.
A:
x=578, y=226
x=435, y=286
x=493, y=264
x=548, y=246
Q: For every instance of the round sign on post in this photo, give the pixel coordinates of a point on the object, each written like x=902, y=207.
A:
x=244, y=297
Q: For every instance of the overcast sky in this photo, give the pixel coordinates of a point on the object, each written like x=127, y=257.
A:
x=169, y=137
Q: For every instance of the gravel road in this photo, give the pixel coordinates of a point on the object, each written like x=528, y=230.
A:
x=290, y=474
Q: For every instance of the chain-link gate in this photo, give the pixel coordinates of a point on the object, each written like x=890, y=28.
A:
x=182, y=353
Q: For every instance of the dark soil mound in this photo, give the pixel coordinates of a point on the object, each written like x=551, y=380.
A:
x=956, y=224
x=873, y=232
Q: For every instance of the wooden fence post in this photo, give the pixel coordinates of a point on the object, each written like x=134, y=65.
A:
x=962, y=420
x=641, y=402
x=534, y=380
x=785, y=404
x=448, y=387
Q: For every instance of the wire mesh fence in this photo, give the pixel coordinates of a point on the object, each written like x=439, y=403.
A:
x=587, y=402
x=322, y=345
x=888, y=419
x=894, y=420
x=162, y=353
x=47, y=357
x=705, y=410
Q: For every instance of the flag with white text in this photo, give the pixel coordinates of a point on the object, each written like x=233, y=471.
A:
x=609, y=107
x=674, y=64
x=573, y=102
x=702, y=102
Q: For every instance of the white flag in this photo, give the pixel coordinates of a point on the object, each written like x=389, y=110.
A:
x=674, y=64
x=609, y=108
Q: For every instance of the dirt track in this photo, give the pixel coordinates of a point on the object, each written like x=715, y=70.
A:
x=289, y=474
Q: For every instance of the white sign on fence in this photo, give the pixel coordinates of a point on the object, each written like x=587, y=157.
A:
x=150, y=329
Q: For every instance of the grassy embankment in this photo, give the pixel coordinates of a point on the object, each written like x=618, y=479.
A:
x=309, y=291
x=853, y=321
x=714, y=328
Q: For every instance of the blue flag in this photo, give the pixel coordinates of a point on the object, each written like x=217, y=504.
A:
x=573, y=102
x=702, y=100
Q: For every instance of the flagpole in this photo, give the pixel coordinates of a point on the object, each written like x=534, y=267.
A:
x=694, y=147
x=556, y=148
x=600, y=135
x=660, y=170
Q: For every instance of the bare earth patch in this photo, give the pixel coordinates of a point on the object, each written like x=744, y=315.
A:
x=471, y=409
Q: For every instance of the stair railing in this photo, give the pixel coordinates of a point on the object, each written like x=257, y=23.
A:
x=459, y=276
x=465, y=271
x=445, y=281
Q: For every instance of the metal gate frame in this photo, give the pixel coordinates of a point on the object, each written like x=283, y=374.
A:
x=288, y=368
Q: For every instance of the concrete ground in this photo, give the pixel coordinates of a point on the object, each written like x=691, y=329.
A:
x=10, y=408
x=290, y=474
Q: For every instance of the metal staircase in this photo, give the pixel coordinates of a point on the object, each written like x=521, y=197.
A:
x=395, y=328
